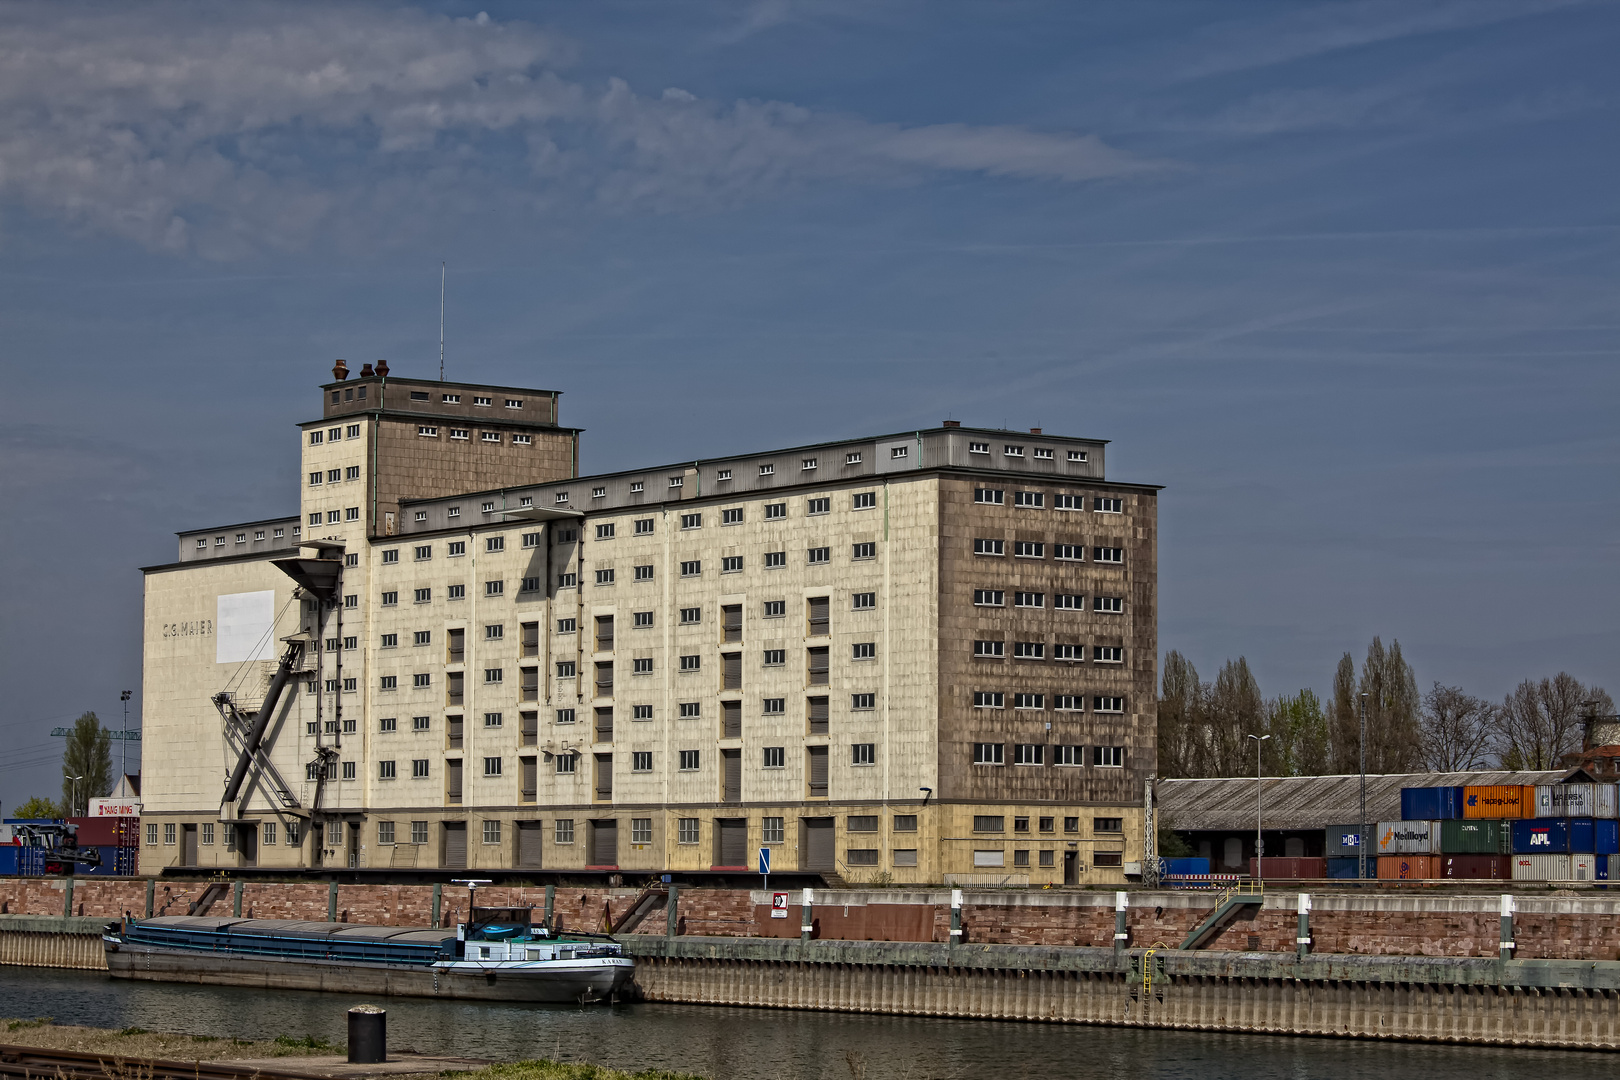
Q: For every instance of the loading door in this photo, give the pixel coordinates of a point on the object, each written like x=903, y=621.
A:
x=188, y=848
x=455, y=845
x=816, y=844
x=731, y=838
x=731, y=763
x=530, y=836
x=605, y=843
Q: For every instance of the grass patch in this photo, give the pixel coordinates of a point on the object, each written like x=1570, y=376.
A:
x=547, y=1069
x=308, y=1042
x=133, y=1031
x=135, y=1042
x=24, y=1025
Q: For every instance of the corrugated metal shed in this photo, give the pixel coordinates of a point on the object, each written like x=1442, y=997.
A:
x=1309, y=802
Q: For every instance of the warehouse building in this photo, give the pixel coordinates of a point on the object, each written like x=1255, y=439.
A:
x=924, y=657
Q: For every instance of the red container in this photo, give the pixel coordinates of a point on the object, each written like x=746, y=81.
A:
x=1475, y=867
x=1407, y=867
x=96, y=831
x=1289, y=869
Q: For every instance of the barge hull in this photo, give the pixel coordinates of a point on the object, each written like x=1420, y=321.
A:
x=590, y=981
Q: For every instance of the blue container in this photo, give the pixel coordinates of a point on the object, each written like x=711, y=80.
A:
x=8, y=860
x=1600, y=868
x=1185, y=866
x=1431, y=803
x=109, y=863
x=1553, y=836
x=1343, y=841
x=1351, y=868
x=1606, y=836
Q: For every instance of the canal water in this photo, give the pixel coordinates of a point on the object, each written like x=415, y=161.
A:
x=758, y=1044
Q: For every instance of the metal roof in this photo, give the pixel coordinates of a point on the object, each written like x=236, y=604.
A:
x=1309, y=802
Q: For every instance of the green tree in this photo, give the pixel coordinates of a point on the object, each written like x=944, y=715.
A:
x=1394, y=735
x=38, y=807
x=88, y=756
x=1236, y=710
x=1299, y=744
x=1180, y=718
x=1344, y=723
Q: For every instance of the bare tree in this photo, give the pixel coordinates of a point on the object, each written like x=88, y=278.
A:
x=1236, y=710
x=1541, y=722
x=1394, y=741
x=1458, y=730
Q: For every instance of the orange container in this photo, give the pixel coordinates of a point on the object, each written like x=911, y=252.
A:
x=1499, y=801
x=1406, y=867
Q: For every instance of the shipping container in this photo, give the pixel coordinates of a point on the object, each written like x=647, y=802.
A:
x=1407, y=838
x=1351, y=868
x=1405, y=867
x=95, y=831
x=1602, y=867
x=1533, y=836
x=1575, y=801
x=1606, y=836
x=1431, y=803
x=1295, y=869
x=1474, y=836
x=1583, y=867
x=1475, y=867
x=1498, y=801
x=1184, y=866
x=1541, y=868
x=1342, y=841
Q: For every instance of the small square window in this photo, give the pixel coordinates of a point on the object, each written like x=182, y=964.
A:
x=852, y=458
x=723, y=474
x=775, y=511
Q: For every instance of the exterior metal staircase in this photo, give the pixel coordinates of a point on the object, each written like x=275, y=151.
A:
x=1241, y=899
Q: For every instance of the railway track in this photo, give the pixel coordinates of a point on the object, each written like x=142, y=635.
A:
x=38, y=1064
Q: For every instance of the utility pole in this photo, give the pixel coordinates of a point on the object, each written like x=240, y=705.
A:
x=123, y=743
x=1259, y=840
x=1361, y=841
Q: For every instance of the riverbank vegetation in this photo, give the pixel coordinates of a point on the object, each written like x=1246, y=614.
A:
x=548, y=1069
x=137, y=1042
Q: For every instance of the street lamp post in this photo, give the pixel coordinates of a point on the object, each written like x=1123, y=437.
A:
x=1259, y=841
x=73, y=796
x=123, y=742
x=1361, y=840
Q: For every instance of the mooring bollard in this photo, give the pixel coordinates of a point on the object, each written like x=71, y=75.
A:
x=1507, y=946
x=368, y=1035
x=807, y=922
x=1302, y=940
x=956, y=918
x=1121, y=934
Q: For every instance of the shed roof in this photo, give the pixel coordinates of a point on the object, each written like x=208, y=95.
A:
x=1310, y=802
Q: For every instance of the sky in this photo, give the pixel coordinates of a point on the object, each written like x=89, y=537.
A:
x=1340, y=276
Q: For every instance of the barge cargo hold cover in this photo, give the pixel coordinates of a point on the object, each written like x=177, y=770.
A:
x=494, y=959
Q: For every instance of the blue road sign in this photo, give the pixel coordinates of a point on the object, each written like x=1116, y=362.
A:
x=764, y=860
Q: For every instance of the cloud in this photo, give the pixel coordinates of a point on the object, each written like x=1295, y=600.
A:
x=225, y=130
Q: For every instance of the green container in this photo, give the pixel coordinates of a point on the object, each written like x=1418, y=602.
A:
x=1475, y=836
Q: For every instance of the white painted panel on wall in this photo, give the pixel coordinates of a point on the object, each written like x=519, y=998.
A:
x=245, y=627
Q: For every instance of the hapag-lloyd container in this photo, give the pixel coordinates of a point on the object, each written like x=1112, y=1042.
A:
x=1535, y=836
x=1575, y=801
x=1541, y=868
x=1475, y=837
x=1405, y=867
x=1498, y=801
x=1475, y=867
x=1407, y=838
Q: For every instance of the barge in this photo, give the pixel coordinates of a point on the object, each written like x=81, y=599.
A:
x=501, y=955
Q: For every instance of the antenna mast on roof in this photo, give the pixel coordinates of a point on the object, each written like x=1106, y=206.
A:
x=441, y=322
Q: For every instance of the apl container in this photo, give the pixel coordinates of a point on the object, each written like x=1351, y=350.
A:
x=1351, y=868
x=1472, y=836
x=1535, y=836
x=1342, y=841
x=1541, y=868
x=1431, y=803
x=1575, y=801
x=1405, y=867
x=1407, y=838
x=1296, y=869
x=1498, y=801
x=1475, y=867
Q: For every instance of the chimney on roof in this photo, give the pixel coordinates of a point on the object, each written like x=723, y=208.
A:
x=382, y=368
x=365, y=371
x=1034, y=431
x=340, y=370
x=953, y=423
